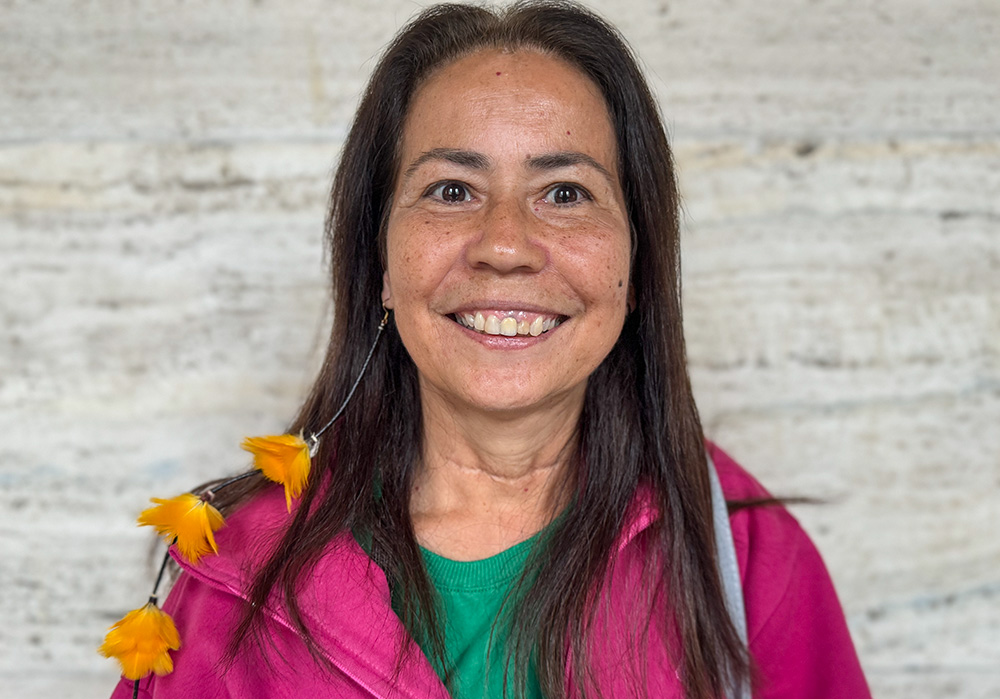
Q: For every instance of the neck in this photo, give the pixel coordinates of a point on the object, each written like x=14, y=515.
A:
x=490, y=479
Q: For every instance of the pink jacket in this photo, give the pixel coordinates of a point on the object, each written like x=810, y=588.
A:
x=797, y=633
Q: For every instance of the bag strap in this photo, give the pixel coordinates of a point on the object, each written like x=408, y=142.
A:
x=729, y=569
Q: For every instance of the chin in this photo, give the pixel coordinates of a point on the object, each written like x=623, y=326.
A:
x=508, y=405
x=517, y=399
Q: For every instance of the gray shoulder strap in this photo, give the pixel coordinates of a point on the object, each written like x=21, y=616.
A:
x=728, y=566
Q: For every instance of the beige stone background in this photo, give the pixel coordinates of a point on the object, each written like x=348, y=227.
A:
x=163, y=175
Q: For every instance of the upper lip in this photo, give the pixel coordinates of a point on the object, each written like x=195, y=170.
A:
x=504, y=305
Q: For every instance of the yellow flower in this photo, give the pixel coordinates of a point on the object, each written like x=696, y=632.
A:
x=283, y=459
x=140, y=642
x=188, y=518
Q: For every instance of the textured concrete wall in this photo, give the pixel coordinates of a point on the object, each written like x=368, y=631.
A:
x=163, y=169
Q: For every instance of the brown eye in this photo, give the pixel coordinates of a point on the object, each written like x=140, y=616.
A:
x=451, y=192
x=566, y=194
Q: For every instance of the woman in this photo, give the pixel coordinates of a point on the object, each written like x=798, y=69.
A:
x=517, y=497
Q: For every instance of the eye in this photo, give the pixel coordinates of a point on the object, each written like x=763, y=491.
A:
x=449, y=192
x=566, y=194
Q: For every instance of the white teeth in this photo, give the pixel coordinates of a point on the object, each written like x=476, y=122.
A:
x=508, y=327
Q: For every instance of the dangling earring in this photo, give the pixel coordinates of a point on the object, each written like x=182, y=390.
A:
x=287, y=458
x=314, y=437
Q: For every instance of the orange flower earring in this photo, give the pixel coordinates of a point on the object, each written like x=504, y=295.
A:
x=141, y=641
x=283, y=459
x=187, y=520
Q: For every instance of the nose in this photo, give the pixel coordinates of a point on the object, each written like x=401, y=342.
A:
x=508, y=240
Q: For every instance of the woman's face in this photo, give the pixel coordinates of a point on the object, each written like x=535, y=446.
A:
x=508, y=241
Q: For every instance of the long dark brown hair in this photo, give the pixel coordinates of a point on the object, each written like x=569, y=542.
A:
x=639, y=423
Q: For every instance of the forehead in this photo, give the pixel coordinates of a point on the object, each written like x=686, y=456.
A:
x=525, y=99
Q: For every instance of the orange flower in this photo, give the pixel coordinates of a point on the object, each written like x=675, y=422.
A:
x=187, y=518
x=283, y=459
x=141, y=642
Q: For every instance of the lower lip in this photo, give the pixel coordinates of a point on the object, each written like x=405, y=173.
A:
x=505, y=342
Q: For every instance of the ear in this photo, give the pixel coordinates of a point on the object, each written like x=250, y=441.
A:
x=386, y=291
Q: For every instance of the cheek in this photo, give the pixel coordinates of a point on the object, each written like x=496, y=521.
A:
x=600, y=266
x=418, y=256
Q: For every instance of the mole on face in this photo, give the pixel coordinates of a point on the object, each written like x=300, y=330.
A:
x=619, y=283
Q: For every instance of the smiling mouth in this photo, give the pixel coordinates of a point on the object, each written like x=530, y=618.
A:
x=508, y=324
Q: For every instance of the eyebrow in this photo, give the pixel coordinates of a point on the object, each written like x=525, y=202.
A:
x=464, y=158
x=478, y=161
x=568, y=158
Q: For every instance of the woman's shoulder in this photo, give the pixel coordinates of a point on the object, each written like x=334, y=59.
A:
x=796, y=628
x=762, y=527
x=344, y=604
x=772, y=548
x=737, y=482
x=253, y=532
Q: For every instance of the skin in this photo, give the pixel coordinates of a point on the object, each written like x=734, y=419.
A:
x=507, y=199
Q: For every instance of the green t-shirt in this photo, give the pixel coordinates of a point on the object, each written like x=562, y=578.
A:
x=471, y=594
